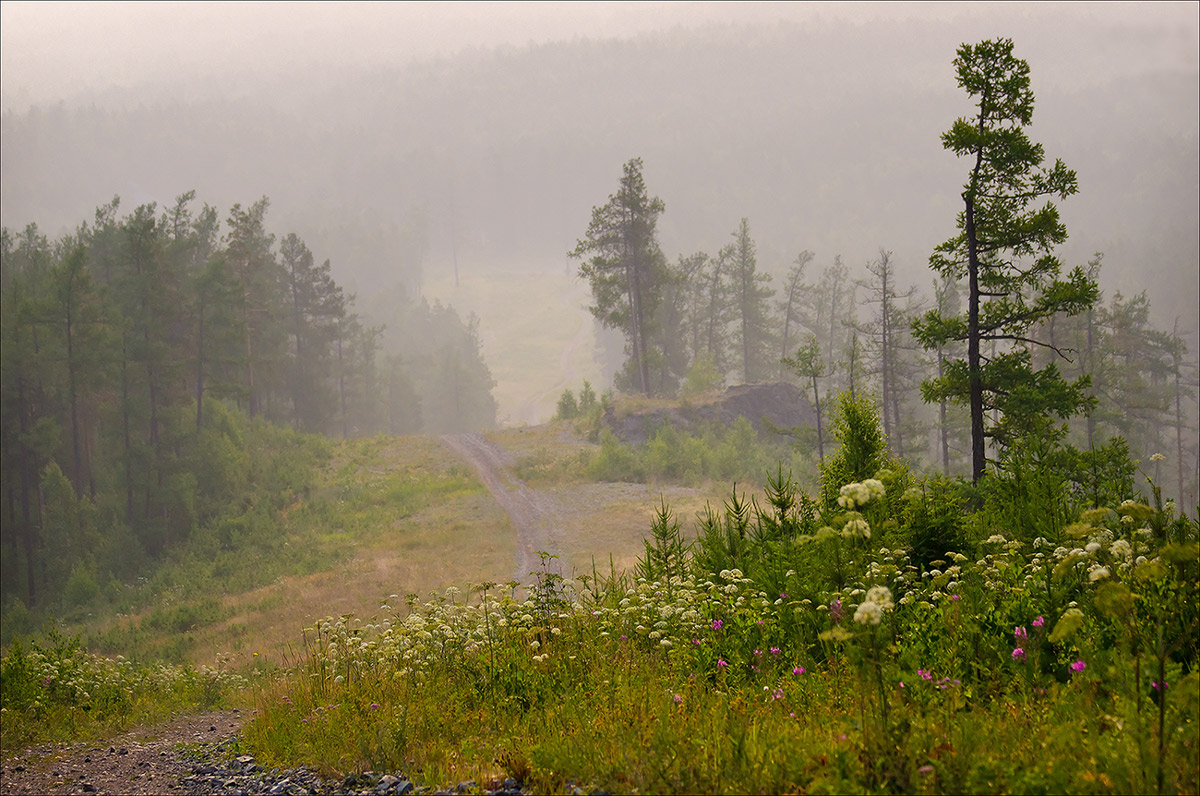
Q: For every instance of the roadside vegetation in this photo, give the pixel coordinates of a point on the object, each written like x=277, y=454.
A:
x=875, y=637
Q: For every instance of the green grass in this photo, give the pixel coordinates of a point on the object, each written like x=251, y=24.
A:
x=57, y=691
x=400, y=513
x=711, y=683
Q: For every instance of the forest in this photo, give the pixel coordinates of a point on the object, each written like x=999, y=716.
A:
x=976, y=571
x=137, y=349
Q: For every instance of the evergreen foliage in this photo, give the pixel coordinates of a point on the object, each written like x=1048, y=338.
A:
x=133, y=351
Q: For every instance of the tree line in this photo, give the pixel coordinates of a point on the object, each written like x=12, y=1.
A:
x=128, y=339
x=1003, y=350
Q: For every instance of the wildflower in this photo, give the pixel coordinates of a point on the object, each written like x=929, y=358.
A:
x=1157, y=686
x=1121, y=549
x=1018, y=654
x=1158, y=457
x=869, y=613
x=1019, y=633
x=374, y=706
x=856, y=528
x=835, y=611
x=696, y=642
x=777, y=693
x=775, y=650
x=718, y=624
x=678, y=699
x=881, y=596
x=799, y=670
x=783, y=595
x=1039, y=622
x=1098, y=573
x=955, y=596
x=925, y=675
x=758, y=652
x=1078, y=666
x=721, y=664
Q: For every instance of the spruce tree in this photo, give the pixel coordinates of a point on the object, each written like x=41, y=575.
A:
x=1004, y=248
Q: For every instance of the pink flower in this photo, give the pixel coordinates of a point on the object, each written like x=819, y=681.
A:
x=956, y=597
x=1157, y=686
x=718, y=624
x=1039, y=622
x=758, y=652
x=925, y=675
x=777, y=693
x=799, y=670
x=1018, y=654
x=775, y=650
x=678, y=699
x=696, y=642
x=1078, y=666
x=721, y=664
x=1019, y=633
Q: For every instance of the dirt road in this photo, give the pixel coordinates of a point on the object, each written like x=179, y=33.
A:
x=535, y=521
x=143, y=761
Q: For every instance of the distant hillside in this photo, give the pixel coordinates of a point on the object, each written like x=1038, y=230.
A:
x=827, y=140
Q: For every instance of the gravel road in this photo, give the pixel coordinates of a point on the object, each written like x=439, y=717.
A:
x=535, y=521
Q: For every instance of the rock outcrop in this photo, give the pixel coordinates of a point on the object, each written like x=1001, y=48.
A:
x=777, y=405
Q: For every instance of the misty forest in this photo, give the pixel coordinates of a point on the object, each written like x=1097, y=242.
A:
x=493, y=451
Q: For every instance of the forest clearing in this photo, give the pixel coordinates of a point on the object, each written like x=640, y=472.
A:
x=484, y=493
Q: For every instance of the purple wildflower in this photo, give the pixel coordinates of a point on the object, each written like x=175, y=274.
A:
x=718, y=624
x=799, y=670
x=835, y=611
x=1078, y=666
x=1018, y=654
x=1019, y=633
x=1039, y=622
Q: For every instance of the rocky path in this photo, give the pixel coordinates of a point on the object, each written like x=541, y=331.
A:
x=145, y=761
x=198, y=756
x=534, y=519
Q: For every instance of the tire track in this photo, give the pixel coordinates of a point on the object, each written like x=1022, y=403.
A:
x=531, y=513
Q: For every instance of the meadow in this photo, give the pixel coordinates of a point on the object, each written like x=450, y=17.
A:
x=889, y=633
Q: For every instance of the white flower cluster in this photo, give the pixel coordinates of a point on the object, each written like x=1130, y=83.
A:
x=871, y=610
x=856, y=528
x=853, y=495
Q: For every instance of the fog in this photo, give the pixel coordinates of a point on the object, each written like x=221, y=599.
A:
x=406, y=140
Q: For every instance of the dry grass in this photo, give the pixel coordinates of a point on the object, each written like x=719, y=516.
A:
x=457, y=541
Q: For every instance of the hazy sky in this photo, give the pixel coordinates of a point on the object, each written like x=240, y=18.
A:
x=53, y=51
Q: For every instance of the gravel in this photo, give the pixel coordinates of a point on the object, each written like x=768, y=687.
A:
x=202, y=755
